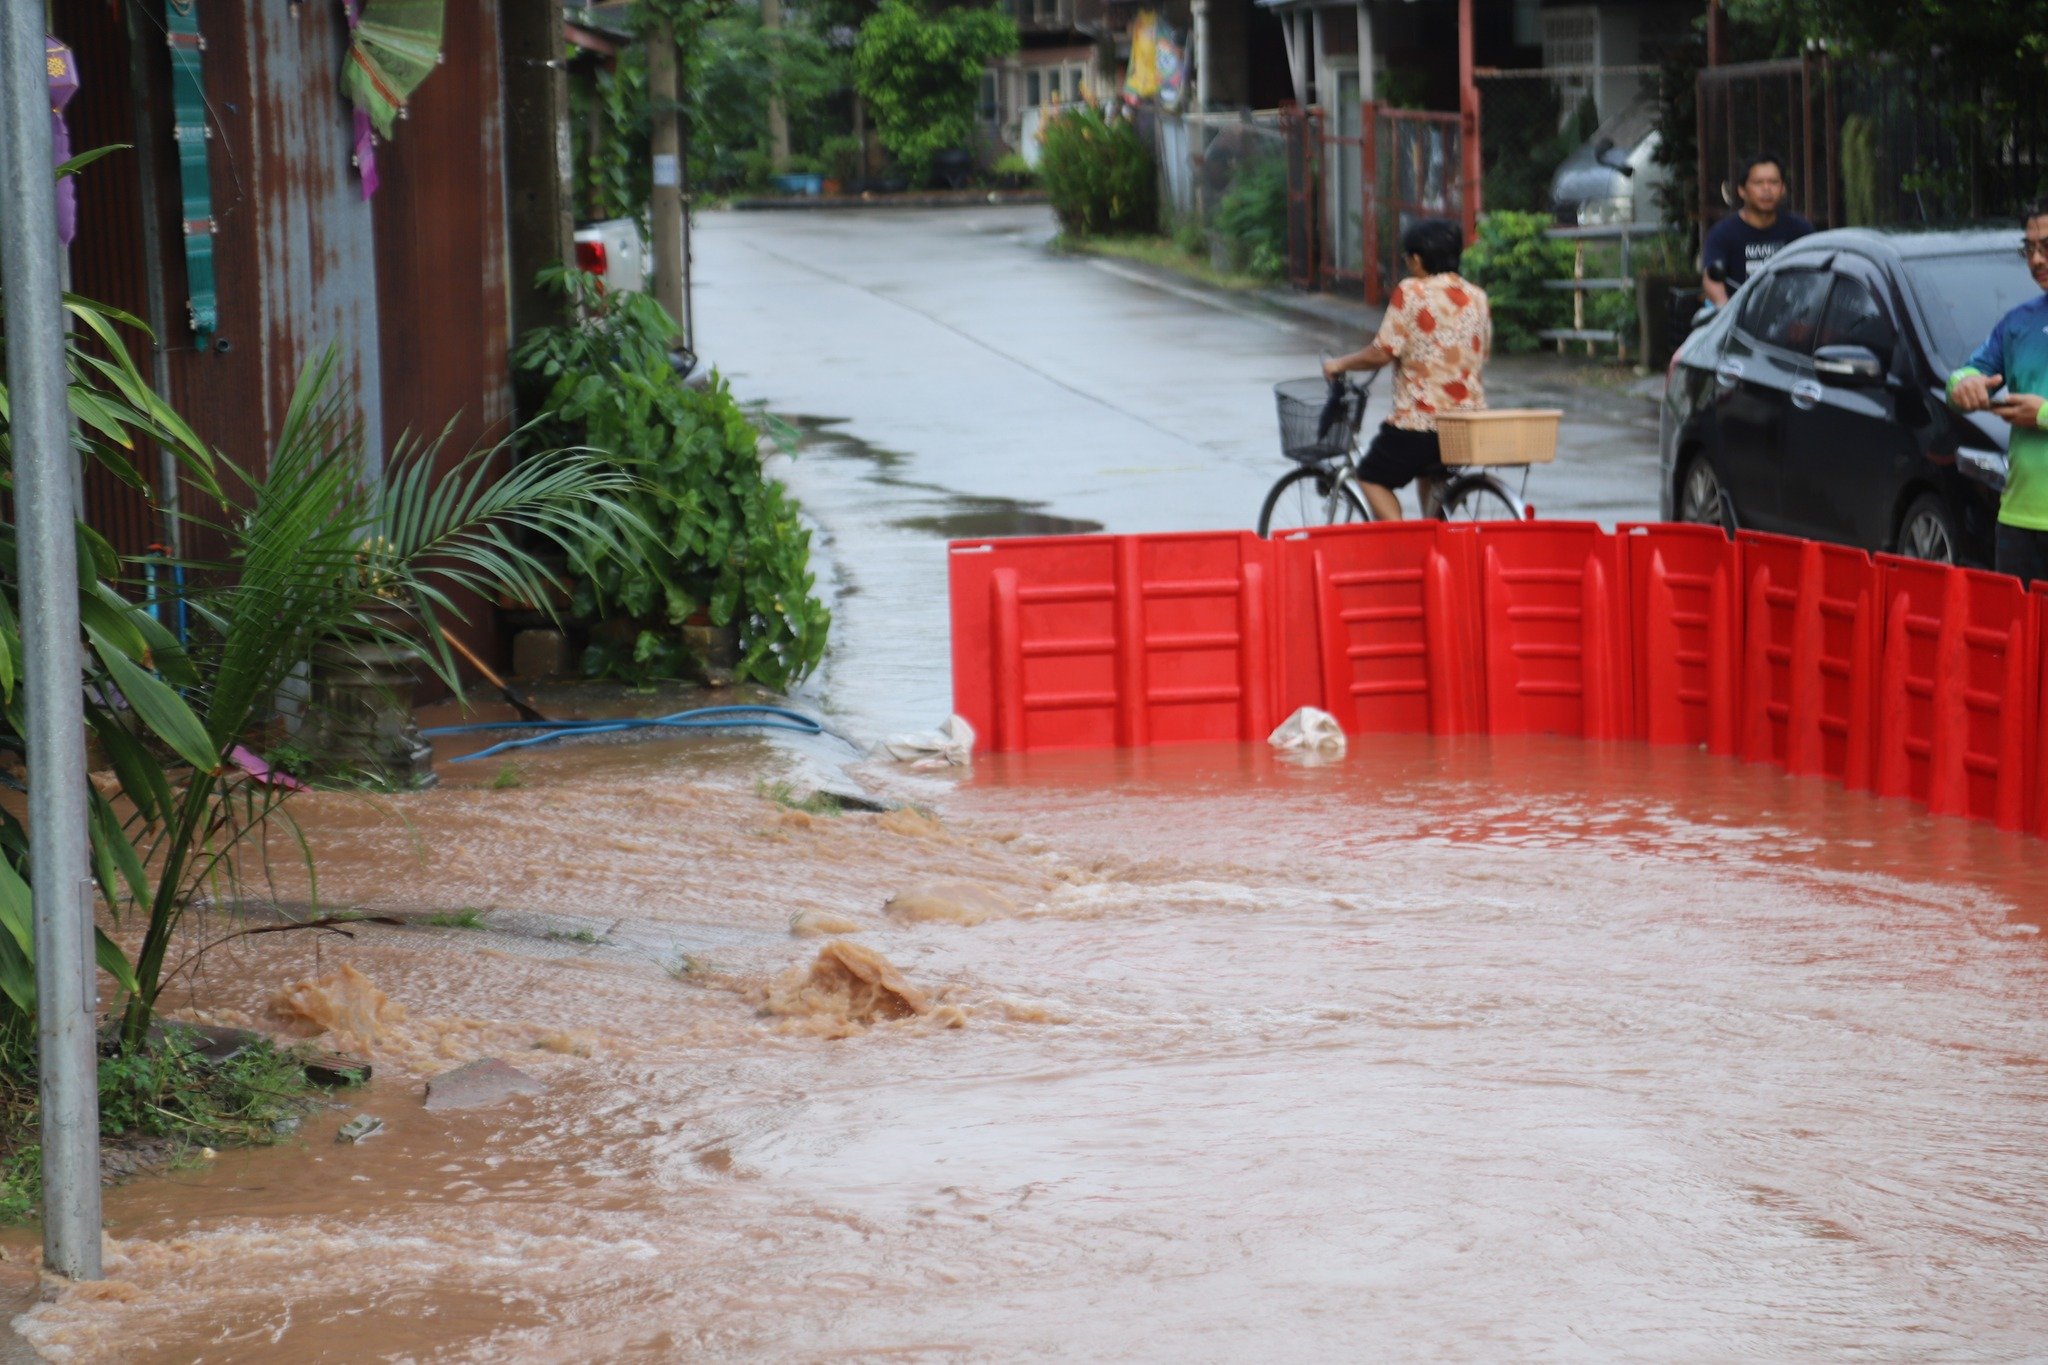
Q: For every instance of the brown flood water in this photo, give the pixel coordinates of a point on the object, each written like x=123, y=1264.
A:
x=1489, y=1049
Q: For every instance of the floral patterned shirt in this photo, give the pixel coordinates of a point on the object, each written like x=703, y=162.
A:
x=1439, y=330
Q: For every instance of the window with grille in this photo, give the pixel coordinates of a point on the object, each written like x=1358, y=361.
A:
x=1571, y=37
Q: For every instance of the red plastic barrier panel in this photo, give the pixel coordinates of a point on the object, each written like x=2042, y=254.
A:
x=1552, y=600
x=1378, y=627
x=2037, y=601
x=1685, y=613
x=1074, y=642
x=1812, y=625
x=1957, y=690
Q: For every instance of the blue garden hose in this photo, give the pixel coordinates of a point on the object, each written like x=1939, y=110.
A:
x=703, y=718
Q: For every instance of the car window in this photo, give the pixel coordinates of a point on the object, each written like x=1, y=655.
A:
x=1963, y=297
x=1855, y=318
x=1785, y=311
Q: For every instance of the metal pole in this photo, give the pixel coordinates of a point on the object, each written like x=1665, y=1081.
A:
x=665, y=204
x=1468, y=124
x=46, y=533
x=778, y=121
x=148, y=138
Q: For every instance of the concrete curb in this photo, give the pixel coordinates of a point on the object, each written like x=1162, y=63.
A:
x=964, y=199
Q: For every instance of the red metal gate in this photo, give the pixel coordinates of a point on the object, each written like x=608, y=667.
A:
x=1410, y=165
x=1302, y=131
x=1418, y=173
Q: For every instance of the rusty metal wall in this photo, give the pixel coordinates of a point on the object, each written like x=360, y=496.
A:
x=316, y=258
x=442, y=287
x=411, y=288
x=441, y=281
x=106, y=258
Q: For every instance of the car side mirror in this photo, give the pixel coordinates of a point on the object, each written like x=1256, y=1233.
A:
x=1850, y=367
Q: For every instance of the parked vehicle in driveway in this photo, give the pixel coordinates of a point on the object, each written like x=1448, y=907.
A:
x=615, y=251
x=1814, y=404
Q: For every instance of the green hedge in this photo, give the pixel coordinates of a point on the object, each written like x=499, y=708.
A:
x=1099, y=175
x=1253, y=218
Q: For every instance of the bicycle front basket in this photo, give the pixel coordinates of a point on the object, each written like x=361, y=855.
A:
x=1303, y=435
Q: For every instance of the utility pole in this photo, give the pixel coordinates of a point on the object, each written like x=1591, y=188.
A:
x=46, y=531
x=540, y=221
x=665, y=204
x=778, y=119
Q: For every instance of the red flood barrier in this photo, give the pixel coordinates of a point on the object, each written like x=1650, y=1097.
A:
x=1378, y=628
x=1073, y=642
x=1685, y=624
x=1958, y=690
x=1810, y=648
x=1550, y=599
x=1891, y=675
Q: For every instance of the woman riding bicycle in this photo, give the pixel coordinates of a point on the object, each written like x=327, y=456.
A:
x=1437, y=333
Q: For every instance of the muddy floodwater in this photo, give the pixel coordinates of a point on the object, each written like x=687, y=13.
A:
x=1484, y=1050
x=1479, y=1050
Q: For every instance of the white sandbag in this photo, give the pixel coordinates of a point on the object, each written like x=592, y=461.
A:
x=949, y=746
x=1310, y=731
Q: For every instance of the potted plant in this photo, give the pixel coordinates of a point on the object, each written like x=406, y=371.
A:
x=363, y=678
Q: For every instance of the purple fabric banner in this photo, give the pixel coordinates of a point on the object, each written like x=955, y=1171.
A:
x=63, y=72
x=365, y=144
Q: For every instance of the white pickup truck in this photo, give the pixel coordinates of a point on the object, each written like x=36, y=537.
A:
x=615, y=252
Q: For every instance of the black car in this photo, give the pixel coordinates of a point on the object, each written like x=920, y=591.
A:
x=1813, y=404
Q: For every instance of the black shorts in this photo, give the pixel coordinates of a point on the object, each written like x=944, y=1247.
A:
x=1397, y=457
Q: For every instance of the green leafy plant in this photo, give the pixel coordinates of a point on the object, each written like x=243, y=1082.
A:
x=1099, y=175
x=1012, y=169
x=811, y=803
x=507, y=779
x=920, y=71
x=163, y=1090
x=1253, y=218
x=455, y=919
x=725, y=540
x=729, y=64
x=1510, y=260
x=167, y=714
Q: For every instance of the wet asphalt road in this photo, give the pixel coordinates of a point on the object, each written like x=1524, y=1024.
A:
x=956, y=378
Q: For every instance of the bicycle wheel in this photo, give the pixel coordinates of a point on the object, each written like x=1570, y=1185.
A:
x=1479, y=497
x=1313, y=495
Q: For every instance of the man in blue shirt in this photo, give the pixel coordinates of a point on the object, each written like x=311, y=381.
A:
x=1743, y=241
x=2015, y=357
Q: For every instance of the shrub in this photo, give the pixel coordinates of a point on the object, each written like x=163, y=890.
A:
x=1253, y=217
x=1012, y=168
x=726, y=540
x=921, y=73
x=1510, y=260
x=1099, y=175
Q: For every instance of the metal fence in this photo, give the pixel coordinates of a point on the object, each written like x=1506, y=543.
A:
x=1223, y=177
x=1532, y=119
x=1779, y=107
x=1355, y=178
x=1413, y=167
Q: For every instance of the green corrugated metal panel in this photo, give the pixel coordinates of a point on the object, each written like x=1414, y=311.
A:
x=195, y=171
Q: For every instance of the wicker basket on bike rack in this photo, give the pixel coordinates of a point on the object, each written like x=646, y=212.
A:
x=1513, y=436
x=1301, y=403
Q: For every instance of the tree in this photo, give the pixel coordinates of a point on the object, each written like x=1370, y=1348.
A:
x=2002, y=40
x=919, y=74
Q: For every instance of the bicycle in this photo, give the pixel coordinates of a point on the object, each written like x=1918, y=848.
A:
x=1319, y=423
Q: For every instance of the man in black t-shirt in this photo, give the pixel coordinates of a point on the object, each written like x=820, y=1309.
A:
x=1743, y=241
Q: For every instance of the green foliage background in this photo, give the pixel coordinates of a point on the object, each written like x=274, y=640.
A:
x=724, y=539
x=920, y=71
x=1099, y=175
x=1510, y=260
x=1253, y=218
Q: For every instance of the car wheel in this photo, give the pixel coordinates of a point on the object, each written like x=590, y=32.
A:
x=1700, y=497
x=1928, y=530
